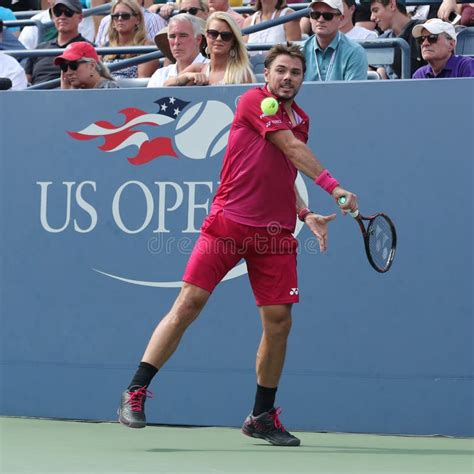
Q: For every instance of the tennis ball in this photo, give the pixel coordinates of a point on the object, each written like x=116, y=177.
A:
x=269, y=106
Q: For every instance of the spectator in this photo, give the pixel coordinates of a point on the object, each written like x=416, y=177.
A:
x=67, y=15
x=347, y=24
x=180, y=41
x=269, y=10
x=437, y=40
x=127, y=28
x=362, y=16
x=7, y=15
x=330, y=55
x=198, y=8
x=81, y=68
x=229, y=61
x=153, y=25
x=11, y=69
x=8, y=40
x=223, y=6
x=447, y=7
x=467, y=14
x=418, y=12
x=29, y=35
x=392, y=18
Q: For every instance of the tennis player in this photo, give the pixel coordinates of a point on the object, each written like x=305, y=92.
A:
x=252, y=216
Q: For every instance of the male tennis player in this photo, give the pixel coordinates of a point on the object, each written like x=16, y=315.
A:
x=252, y=216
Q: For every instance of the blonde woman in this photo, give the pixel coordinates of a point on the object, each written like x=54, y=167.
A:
x=228, y=58
x=127, y=28
x=270, y=10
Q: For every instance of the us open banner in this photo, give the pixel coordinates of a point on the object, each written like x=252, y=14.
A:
x=181, y=143
x=102, y=194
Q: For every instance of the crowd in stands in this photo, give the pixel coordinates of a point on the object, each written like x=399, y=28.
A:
x=203, y=44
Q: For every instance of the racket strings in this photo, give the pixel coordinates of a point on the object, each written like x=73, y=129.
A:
x=380, y=242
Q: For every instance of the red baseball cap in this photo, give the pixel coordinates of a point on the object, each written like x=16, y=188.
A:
x=76, y=51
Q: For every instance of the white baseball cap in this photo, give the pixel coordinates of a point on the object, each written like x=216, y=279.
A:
x=435, y=26
x=336, y=4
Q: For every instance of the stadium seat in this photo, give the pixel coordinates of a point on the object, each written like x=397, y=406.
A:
x=132, y=82
x=465, y=41
x=372, y=76
x=257, y=62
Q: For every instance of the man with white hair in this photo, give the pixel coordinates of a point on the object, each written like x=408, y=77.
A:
x=330, y=54
x=180, y=41
x=437, y=40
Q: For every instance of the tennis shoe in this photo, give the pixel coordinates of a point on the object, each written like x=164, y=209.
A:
x=268, y=426
x=131, y=411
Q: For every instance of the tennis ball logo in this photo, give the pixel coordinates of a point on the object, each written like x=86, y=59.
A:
x=269, y=106
x=203, y=130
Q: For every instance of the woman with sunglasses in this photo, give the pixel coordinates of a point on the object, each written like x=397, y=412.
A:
x=127, y=28
x=228, y=58
x=269, y=10
x=81, y=68
x=198, y=8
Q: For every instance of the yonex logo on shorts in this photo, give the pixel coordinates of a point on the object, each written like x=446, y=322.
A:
x=294, y=291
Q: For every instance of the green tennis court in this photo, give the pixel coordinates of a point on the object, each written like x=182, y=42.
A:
x=49, y=446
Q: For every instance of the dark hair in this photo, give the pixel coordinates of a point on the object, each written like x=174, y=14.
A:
x=280, y=4
x=289, y=49
x=400, y=4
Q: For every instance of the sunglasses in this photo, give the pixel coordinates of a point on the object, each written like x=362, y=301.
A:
x=328, y=16
x=225, y=35
x=122, y=16
x=192, y=11
x=72, y=65
x=431, y=39
x=58, y=11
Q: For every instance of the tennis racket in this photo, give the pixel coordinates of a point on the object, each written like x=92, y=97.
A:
x=380, y=238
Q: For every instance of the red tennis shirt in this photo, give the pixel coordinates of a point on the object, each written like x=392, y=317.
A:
x=257, y=179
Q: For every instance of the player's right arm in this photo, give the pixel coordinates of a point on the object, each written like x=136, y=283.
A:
x=305, y=160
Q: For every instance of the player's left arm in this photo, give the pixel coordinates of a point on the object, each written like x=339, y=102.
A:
x=317, y=223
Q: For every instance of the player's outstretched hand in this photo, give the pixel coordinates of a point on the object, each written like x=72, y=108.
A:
x=319, y=227
x=350, y=203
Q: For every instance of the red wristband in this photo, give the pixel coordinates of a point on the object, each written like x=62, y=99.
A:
x=303, y=213
x=326, y=181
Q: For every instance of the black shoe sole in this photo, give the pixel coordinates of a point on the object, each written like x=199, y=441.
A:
x=294, y=443
x=129, y=425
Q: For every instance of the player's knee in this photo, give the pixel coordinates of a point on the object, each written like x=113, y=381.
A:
x=187, y=307
x=279, y=328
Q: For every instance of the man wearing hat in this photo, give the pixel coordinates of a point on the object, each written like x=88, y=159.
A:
x=180, y=42
x=67, y=14
x=331, y=55
x=392, y=18
x=437, y=40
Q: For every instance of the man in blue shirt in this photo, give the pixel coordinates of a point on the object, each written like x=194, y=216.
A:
x=330, y=55
x=437, y=40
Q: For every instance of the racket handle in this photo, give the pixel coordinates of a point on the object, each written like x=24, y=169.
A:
x=342, y=200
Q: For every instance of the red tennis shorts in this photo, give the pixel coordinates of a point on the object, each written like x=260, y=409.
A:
x=270, y=254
